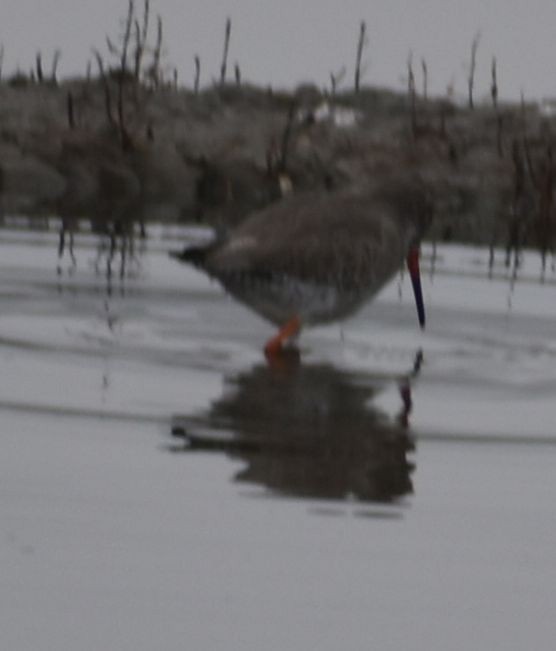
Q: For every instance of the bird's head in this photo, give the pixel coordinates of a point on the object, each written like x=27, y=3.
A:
x=413, y=202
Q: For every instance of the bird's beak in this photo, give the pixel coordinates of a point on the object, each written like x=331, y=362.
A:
x=413, y=268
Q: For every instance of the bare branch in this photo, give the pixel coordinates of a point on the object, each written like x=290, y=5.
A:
x=197, y=74
x=55, y=62
x=425, y=69
x=126, y=38
x=38, y=68
x=141, y=33
x=106, y=86
x=412, y=93
x=155, y=69
x=472, y=66
x=146, y=14
x=70, y=110
x=138, y=55
x=335, y=80
x=360, y=46
x=112, y=48
x=225, y=54
x=123, y=71
x=494, y=84
x=286, y=136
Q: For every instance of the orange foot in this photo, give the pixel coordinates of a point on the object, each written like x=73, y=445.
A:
x=274, y=346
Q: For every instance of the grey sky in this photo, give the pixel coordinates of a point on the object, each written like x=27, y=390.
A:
x=286, y=42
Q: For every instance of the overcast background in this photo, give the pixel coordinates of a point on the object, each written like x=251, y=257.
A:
x=285, y=42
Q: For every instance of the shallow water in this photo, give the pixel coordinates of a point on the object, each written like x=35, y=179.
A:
x=163, y=486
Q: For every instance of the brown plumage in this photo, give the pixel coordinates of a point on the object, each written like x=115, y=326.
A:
x=315, y=258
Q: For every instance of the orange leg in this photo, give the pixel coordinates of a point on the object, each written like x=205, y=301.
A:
x=290, y=329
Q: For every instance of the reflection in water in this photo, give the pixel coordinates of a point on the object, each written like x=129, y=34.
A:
x=309, y=431
x=116, y=246
x=112, y=250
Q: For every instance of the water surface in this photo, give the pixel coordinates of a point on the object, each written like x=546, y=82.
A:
x=163, y=486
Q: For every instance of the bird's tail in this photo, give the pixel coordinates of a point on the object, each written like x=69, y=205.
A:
x=194, y=255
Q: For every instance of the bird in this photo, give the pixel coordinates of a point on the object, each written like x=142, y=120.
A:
x=316, y=258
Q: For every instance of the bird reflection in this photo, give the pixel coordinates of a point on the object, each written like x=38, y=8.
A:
x=310, y=431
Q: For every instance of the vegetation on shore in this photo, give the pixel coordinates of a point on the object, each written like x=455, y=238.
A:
x=130, y=144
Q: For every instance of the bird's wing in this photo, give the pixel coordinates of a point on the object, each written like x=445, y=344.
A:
x=315, y=238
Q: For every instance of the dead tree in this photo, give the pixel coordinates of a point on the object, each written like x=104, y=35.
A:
x=286, y=137
x=425, y=70
x=224, y=64
x=138, y=54
x=71, y=111
x=197, y=74
x=515, y=220
x=106, y=87
x=472, y=67
x=359, y=56
x=443, y=112
x=499, y=131
x=38, y=67
x=157, y=54
x=123, y=72
x=494, y=96
x=141, y=32
x=237, y=72
x=54, y=71
x=412, y=94
x=335, y=80
x=525, y=139
x=542, y=180
x=1, y=60
x=545, y=191
x=517, y=227
x=494, y=85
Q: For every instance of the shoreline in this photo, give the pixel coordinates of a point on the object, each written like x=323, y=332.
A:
x=114, y=150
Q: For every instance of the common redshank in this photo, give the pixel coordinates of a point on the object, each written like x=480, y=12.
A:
x=316, y=258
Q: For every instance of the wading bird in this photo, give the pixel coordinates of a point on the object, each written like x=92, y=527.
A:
x=317, y=258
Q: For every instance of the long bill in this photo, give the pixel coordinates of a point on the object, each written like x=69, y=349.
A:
x=413, y=268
